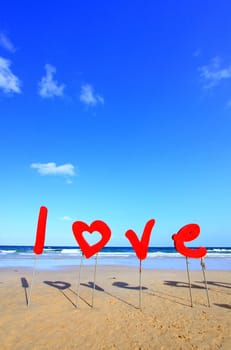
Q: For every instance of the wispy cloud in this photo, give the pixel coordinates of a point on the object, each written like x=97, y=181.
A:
x=66, y=218
x=9, y=82
x=53, y=169
x=212, y=74
x=88, y=97
x=48, y=87
x=6, y=43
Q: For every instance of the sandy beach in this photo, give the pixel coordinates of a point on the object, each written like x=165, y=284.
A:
x=166, y=321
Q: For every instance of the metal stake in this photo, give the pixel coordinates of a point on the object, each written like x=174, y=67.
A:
x=93, y=289
x=190, y=288
x=205, y=281
x=32, y=281
x=140, y=284
x=78, y=287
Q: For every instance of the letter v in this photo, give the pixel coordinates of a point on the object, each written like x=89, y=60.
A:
x=141, y=246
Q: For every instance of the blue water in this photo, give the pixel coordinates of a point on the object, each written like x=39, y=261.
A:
x=217, y=258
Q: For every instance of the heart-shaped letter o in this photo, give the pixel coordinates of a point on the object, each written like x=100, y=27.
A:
x=79, y=227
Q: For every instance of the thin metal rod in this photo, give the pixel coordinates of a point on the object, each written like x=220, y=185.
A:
x=205, y=281
x=78, y=286
x=93, y=289
x=140, y=284
x=190, y=287
x=32, y=281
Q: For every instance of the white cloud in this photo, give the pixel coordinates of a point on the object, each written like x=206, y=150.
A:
x=212, y=74
x=6, y=43
x=9, y=82
x=53, y=169
x=48, y=87
x=88, y=97
x=66, y=218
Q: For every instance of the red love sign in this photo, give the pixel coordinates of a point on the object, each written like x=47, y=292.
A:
x=79, y=227
x=141, y=246
x=187, y=234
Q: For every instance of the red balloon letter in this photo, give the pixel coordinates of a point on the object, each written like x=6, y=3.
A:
x=79, y=227
x=186, y=234
x=41, y=231
x=141, y=246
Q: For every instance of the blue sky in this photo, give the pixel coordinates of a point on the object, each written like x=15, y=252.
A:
x=117, y=111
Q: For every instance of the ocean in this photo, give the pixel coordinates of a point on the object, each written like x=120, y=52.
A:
x=217, y=258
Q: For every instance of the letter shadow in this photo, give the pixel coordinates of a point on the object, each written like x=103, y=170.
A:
x=218, y=284
x=100, y=289
x=58, y=284
x=25, y=286
x=227, y=306
x=61, y=286
x=126, y=286
x=180, y=284
x=91, y=285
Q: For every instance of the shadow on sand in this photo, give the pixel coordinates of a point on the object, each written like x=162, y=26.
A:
x=58, y=284
x=218, y=284
x=97, y=287
x=182, y=284
x=61, y=286
x=226, y=306
x=25, y=286
x=126, y=286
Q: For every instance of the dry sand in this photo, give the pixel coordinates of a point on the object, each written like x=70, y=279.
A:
x=167, y=320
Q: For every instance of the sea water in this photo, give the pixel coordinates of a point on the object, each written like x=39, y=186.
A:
x=217, y=258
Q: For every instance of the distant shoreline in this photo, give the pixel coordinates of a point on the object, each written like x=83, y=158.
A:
x=158, y=258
